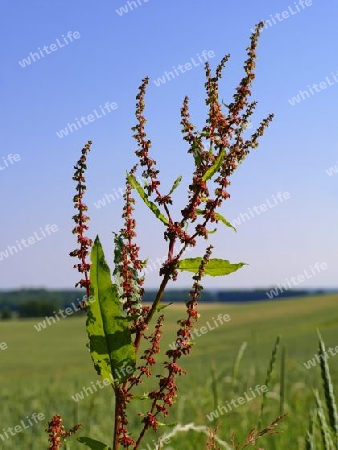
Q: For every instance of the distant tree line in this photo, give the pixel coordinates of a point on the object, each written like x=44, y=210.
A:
x=42, y=302
x=26, y=303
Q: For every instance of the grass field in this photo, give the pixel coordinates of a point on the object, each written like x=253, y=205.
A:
x=41, y=371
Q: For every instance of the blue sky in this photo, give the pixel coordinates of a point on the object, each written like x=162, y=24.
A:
x=113, y=51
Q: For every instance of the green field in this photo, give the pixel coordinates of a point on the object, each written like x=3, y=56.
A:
x=41, y=371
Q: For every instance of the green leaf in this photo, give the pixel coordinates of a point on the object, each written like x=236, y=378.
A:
x=225, y=221
x=219, y=217
x=196, y=152
x=159, y=308
x=111, y=347
x=175, y=185
x=212, y=231
x=136, y=185
x=215, y=267
x=144, y=396
x=215, y=167
x=93, y=444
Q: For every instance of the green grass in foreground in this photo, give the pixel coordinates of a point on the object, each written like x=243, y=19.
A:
x=42, y=370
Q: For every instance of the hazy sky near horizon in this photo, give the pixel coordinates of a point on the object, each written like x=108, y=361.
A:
x=65, y=60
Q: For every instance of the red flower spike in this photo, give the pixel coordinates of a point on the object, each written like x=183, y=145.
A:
x=57, y=432
x=80, y=220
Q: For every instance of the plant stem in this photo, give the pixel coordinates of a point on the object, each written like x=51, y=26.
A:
x=153, y=308
x=117, y=420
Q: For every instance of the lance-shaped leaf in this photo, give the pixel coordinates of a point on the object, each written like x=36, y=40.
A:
x=93, y=444
x=212, y=231
x=225, y=221
x=175, y=185
x=219, y=217
x=215, y=267
x=196, y=152
x=111, y=347
x=215, y=167
x=159, y=308
x=136, y=185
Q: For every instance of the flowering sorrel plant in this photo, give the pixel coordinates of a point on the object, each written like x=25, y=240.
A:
x=118, y=321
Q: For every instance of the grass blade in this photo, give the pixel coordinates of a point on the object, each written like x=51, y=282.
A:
x=309, y=435
x=237, y=362
x=214, y=385
x=328, y=388
x=324, y=428
x=282, y=382
x=268, y=376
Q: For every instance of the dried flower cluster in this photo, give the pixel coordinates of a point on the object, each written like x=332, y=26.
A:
x=131, y=265
x=57, y=432
x=256, y=434
x=80, y=220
